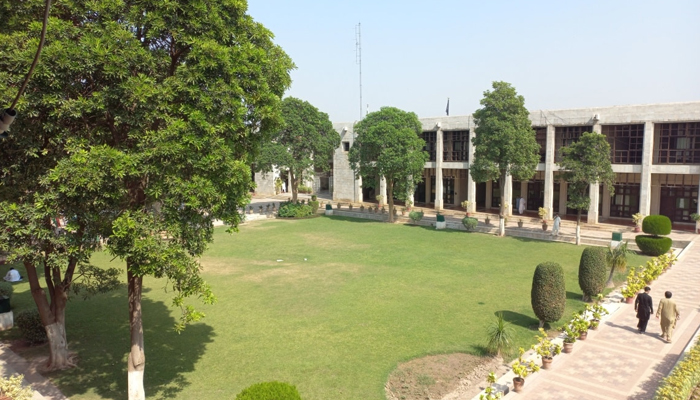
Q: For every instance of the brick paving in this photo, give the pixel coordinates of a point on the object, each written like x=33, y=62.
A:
x=615, y=362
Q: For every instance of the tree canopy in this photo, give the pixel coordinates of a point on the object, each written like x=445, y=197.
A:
x=140, y=124
x=305, y=142
x=505, y=142
x=586, y=161
x=388, y=145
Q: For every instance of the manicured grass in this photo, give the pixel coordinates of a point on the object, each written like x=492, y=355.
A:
x=348, y=301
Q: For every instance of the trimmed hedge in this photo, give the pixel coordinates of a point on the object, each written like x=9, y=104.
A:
x=592, y=271
x=470, y=223
x=314, y=206
x=684, y=378
x=6, y=289
x=656, y=225
x=548, y=295
x=653, y=245
x=269, y=391
x=30, y=326
x=415, y=216
x=295, y=210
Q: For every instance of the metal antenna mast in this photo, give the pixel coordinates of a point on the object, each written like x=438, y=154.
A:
x=358, y=58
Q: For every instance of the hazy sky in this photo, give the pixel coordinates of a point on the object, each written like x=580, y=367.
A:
x=416, y=54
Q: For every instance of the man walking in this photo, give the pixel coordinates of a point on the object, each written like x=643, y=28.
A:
x=557, y=223
x=668, y=311
x=644, y=306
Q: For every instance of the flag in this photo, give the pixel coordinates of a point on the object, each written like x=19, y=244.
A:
x=447, y=109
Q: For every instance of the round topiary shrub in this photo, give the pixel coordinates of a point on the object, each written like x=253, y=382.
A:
x=269, y=391
x=470, y=223
x=29, y=324
x=653, y=245
x=548, y=296
x=6, y=289
x=656, y=225
x=415, y=216
x=592, y=271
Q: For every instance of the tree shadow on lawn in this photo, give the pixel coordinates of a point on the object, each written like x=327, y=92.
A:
x=518, y=319
x=101, y=340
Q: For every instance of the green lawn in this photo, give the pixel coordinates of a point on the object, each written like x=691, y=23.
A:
x=349, y=300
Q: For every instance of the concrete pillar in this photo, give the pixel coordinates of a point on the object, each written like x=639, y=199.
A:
x=594, y=193
x=597, y=128
x=563, y=186
x=605, y=212
x=523, y=191
x=647, y=157
x=508, y=189
x=438, y=169
x=489, y=197
x=382, y=190
x=358, y=191
x=471, y=184
x=549, y=172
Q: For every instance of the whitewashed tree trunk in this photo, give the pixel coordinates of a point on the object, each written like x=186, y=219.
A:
x=578, y=235
x=136, y=362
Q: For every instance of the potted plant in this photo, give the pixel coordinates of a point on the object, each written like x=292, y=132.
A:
x=634, y=285
x=695, y=217
x=570, y=336
x=491, y=393
x=350, y=206
x=637, y=219
x=362, y=208
x=260, y=209
x=380, y=200
x=403, y=211
x=466, y=205
x=383, y=209
x=522, y=369
x=581, y=324
x=338, y=206
x=546, y=349
x=250, y=210
x=543, y=213
x=487, y=220
x=409, y=204
x=520, y=223
x=6, y=290
x=596, y=311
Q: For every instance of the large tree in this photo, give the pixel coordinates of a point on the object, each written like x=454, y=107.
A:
x=141, y=122
x=305, y=143
x=586, y=161
x=388, y=145
x=504, y=142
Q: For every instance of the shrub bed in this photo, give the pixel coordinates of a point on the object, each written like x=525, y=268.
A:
x=592, y=271
x=29, y=324
x=470, y=223
x=683, y=379
x=653, y=245
x=269, y=391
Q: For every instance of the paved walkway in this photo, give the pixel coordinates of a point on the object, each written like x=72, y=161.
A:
x=616, y=362
x=11, y=363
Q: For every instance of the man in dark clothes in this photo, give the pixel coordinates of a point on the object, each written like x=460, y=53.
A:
x=644, y=306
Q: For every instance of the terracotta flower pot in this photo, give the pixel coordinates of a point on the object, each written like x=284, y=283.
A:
x=583, y=335
x=544, y=227
x=568, y=348
x=518, y=383
x=546, y=362
x=629, y=300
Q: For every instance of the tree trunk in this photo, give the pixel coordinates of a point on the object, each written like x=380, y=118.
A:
x=52, y=316
x=136, y=362
x=610, y=283
x=541, y=324
x=390, y=200
x=295, y=184
x=501, y=211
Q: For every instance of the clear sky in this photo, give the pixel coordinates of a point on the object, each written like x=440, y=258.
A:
x=416, y=54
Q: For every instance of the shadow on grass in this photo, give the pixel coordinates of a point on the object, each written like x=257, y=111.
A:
x=518, y=319
x=99, y=334
x=574, y=296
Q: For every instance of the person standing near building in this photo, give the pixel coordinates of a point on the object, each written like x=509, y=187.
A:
x=555, y=227
x=644, y=306
x=668, y=311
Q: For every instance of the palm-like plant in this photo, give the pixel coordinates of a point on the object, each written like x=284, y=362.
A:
x=500, y=337
x=617, y=260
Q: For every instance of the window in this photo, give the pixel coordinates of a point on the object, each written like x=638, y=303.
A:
x=430, y=144
x=678, y=143
x=346, y=146
x=626, y=143
x=456, y=146
x=541, y=138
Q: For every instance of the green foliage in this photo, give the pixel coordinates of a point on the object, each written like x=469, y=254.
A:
x=695, y=217
x=684, y=378
x=12, y=388
x=522, y=368
x=653, y=245
x=314, y=206
x=592, y=271
x=6, y=289
x=500, y=337
x=269, y=391
x=505, y=141
x=314, y=197
x=544, y=347
x=30, y=326
x=571, y=332
x=388, y=145
x=295, y=210
x=440, y=218
x=586, y=161
x=491, y=393
x=415, y=216
x=470, y=223
x=328, y=206
x=656, y=225
x=305, y=142
x=548, y=294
